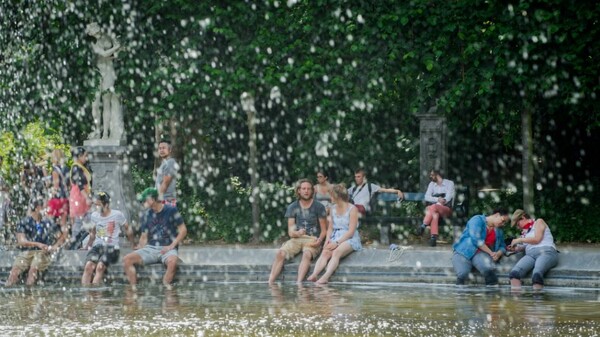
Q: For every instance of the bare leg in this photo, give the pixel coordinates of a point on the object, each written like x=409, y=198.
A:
x=277, y=266
x=537, y=286
x=13, y=277
x=515, y=283
x=129, y=262
x=341, y=251
x=100, y=269
x=304, y=265
x=171, y=264
x=32, y=276
x=88, y=271
x=321, y=264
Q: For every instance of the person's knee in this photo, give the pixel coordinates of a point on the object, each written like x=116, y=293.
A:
x=307, y=255
x=281, y=255
x=326, y=253
x=100, y=268
x=171, y=262
x=89, y=267
x=130, y=260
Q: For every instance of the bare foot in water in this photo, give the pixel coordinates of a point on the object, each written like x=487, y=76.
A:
x=322, y=281
x=312, y=278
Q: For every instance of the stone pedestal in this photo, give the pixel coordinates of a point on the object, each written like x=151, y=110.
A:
x=433, y=146
x=112, y=174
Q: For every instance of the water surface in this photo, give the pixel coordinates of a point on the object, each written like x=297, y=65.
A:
x=255, y=309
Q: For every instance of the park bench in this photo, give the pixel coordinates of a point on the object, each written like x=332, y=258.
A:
x=382, y=212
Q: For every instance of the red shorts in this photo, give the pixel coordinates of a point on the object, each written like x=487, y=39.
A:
x=57, y=207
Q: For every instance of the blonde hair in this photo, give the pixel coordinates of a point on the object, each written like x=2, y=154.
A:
x=340, y=192
x=57, y=157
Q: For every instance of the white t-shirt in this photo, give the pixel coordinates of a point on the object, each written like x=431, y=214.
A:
x=115, y=219
x=446, y=187
x=360, y=194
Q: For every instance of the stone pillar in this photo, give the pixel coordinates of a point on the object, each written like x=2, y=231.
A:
x=433, y=146
x=111, y=173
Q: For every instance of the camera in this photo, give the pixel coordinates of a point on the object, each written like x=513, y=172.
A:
x=439, y=195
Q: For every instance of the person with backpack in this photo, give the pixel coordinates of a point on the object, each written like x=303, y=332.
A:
x=80, y=196
x=361, y=193
x=58, y=205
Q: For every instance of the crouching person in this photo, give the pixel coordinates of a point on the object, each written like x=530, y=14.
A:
x=162, y=231
x=38, y=238
x=103, y=243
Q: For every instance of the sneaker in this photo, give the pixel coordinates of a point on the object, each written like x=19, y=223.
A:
x=421, y=230
x=433, y=241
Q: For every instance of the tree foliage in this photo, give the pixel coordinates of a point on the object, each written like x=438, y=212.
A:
x=353, y=77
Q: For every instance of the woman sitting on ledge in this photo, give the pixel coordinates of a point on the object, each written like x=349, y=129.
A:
x=540, y=252
x=342, y=236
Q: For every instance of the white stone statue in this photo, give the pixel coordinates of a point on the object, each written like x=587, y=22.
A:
x=106, y=48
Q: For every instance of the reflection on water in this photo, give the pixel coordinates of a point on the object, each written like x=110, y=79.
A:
x=211, y=309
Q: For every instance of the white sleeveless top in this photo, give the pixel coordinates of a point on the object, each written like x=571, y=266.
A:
x=547, y=239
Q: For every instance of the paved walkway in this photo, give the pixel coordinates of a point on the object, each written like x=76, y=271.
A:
x=578, y=266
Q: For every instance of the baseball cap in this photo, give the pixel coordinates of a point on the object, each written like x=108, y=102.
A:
x=516, y=216
x=148, y=192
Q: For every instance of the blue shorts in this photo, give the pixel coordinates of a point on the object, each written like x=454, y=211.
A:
x=151, y=254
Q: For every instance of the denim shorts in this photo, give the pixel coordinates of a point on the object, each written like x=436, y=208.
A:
x=106, y=254
x=151, y=254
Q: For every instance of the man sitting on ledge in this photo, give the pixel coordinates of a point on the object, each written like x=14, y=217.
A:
x=162, y=232
x=361, y=193
x=38, y=239
x=307, y=226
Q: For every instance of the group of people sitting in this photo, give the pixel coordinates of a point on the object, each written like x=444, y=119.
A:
x=92, y=225
x=323, y=222
x=482, y=244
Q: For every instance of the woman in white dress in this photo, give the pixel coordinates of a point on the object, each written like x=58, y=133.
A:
x=342, y=235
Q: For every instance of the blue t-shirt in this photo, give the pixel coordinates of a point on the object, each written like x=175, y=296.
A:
x=45, y=231
x=162, y=226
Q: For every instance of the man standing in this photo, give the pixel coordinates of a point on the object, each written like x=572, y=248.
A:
x=103, y=243
x=307, y=227
x=162, y=232
x=440, y=193
x=38, y=238
x=361, y=193
x=166, y=175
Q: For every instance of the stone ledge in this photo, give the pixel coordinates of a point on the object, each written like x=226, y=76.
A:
x=577, y=267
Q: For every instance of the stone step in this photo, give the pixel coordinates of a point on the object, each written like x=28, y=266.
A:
x=578, y=267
